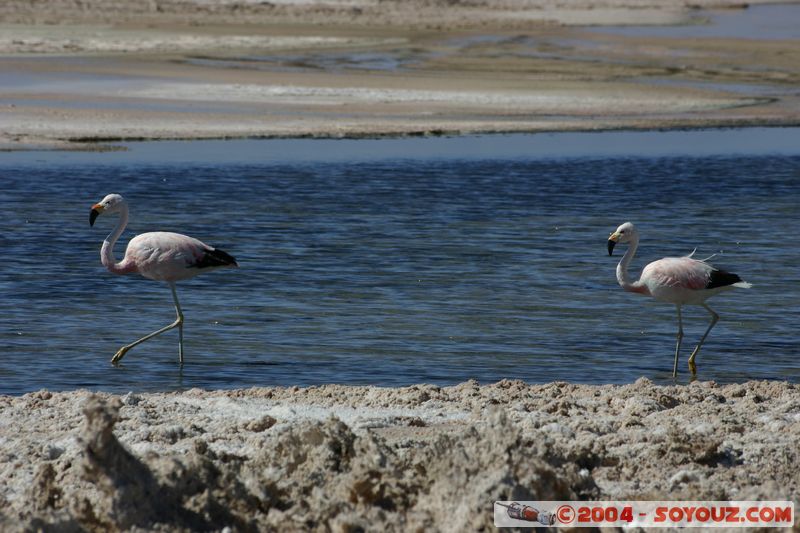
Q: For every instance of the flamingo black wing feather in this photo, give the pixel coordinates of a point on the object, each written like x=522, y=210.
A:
x=721, y=278
x=215, y=257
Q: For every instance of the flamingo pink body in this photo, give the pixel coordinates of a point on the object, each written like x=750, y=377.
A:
x=160, y=256
x=679, y=280
x=676, y=280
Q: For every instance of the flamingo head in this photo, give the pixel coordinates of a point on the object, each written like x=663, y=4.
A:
x=624, y=234
x=112, y=203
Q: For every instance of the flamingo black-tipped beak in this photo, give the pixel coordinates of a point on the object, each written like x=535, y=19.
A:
x=612, y=241
x=96, y=210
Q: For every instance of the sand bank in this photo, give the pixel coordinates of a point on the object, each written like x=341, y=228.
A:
x=416, y=458
x=114, y=70
x=438, y=14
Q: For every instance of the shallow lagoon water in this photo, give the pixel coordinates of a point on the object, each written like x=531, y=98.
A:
x=757, y=22
x=401, y=261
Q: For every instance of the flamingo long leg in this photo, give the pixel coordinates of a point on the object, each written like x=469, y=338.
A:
x=678, y=343
x=177, y=324
x=180, y=323
x=714, y=319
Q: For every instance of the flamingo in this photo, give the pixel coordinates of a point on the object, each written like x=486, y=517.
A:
x=677, y=280
x=158, y=255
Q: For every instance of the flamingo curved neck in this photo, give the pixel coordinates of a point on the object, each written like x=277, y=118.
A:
x=622, y=270
x=107, y=251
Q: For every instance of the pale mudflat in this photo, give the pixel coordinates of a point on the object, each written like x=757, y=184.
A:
x=358, y=69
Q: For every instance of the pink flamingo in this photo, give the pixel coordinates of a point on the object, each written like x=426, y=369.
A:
x=677, y=280
x=160, y=256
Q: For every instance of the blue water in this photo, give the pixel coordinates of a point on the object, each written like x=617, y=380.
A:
x=756, y=22
x=402, y=261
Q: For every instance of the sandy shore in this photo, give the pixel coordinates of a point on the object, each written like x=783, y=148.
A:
x=77, y=71
x=421, y=458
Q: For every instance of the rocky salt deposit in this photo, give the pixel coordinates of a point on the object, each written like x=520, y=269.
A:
x=396, y=459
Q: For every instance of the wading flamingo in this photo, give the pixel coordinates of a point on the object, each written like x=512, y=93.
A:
x=677, y=280
x=160, y=256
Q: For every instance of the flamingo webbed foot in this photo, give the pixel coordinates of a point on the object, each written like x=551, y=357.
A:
x=120, y=354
